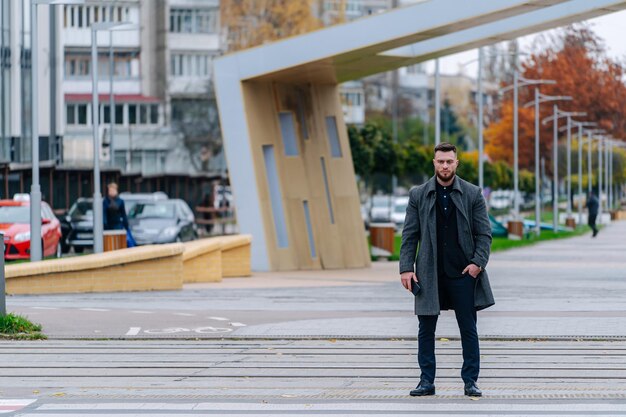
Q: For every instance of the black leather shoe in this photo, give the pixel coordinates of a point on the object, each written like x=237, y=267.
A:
x=471, y=390
x=424, y=388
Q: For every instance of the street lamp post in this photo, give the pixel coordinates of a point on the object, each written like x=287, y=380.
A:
x=555, y=173
x=98, y=224
x=35, y=188
x=481, y=151
x=607, y=144
x=540, y=98
x=555, y=159
x=437, y=103
x=600, y=182
x=580, y=167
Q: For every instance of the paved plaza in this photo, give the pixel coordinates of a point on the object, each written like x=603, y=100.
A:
x=331, y=343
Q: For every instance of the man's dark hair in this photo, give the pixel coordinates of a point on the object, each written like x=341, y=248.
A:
x=445, y=147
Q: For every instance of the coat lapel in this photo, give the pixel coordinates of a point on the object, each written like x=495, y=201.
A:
x=455, y=195
x=431, y=195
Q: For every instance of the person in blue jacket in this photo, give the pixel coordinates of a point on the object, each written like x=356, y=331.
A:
x=114, y=210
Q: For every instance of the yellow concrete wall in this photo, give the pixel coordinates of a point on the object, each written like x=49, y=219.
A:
x=202, y=261
x=236, y=256
x=136, y=269
x=154, y=267
x=338, y=245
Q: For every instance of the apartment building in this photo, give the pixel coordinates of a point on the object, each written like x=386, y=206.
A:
x=154, y=72
x=15, y=84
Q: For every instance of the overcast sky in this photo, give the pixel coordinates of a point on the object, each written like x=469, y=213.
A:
x=611, y=28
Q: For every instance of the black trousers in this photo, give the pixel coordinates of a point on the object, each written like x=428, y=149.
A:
x=460, y=294
x=592, y=223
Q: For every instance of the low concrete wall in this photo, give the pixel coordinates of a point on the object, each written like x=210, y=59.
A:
x=236, y=256
x=137, y=269
x=202, y=261
x=145, y=268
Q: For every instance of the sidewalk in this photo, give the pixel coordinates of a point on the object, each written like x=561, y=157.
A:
x=565, y=289
x=332, y=343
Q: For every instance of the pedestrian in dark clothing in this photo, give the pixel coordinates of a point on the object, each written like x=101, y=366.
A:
x=592, y=206
x=447, y=218
x=114, y=210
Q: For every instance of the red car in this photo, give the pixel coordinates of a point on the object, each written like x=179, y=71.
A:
x=15, y=224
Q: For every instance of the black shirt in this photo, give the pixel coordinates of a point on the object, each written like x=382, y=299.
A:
x=451, y=259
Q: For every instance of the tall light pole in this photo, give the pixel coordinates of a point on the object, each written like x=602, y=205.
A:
x=35, y=187
x=590, y=137
x=607, y=144
x=569, y=219
x=555, y=174
x=437, y=103
x=580, y=166
x=589, y=173
x=555, y=159
x=111, y=102
x=540, y=98
x=481, y=143
x=98, y=224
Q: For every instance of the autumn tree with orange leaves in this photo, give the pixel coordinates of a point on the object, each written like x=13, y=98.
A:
x=253, y=22
x=577, y=60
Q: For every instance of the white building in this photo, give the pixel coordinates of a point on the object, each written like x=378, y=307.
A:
x=161, y=66
x=193, y=41
x=15, y=84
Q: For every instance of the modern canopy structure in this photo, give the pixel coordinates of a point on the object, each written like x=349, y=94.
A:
x=285, y=139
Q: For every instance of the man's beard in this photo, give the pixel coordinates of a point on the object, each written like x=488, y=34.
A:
x=446, y=178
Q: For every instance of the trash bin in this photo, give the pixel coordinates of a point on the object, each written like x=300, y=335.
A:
x=382, y=236
x=114, y=240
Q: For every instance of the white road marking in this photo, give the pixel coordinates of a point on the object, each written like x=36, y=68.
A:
x=44, y=308
x=201, y=330
x=210, y=329
x=9, y=406
x=94, y=309
x=168, y=330
x=184, y=314
x=237, y=324
x=142, y=312
x=133, y=331
x=218, y=318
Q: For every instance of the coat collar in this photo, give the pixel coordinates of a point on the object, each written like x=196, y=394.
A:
x=431, y=185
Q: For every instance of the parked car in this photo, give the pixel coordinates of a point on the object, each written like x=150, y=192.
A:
x=380, y=210
x=15, y=223
x=501, y=199
x=130, y=199
x=399, y=211
x=79, y=219
x=163, y=221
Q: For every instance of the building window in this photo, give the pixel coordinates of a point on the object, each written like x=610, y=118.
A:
x=79, y=65
x=351, y=99
x=119, y=114
x=132, y=114
x=138, y=114
x=288, y=133
x=194, y=20
x=76, y=114
x=81, y=16
x=333, y=136
x=190, y=65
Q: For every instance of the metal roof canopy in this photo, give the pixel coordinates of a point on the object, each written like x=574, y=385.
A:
x=367, y=46
x=403, y=37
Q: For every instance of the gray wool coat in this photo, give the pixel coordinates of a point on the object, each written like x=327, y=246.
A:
x=420, y=229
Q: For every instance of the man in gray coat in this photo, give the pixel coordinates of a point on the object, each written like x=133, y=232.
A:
x=447, y=218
